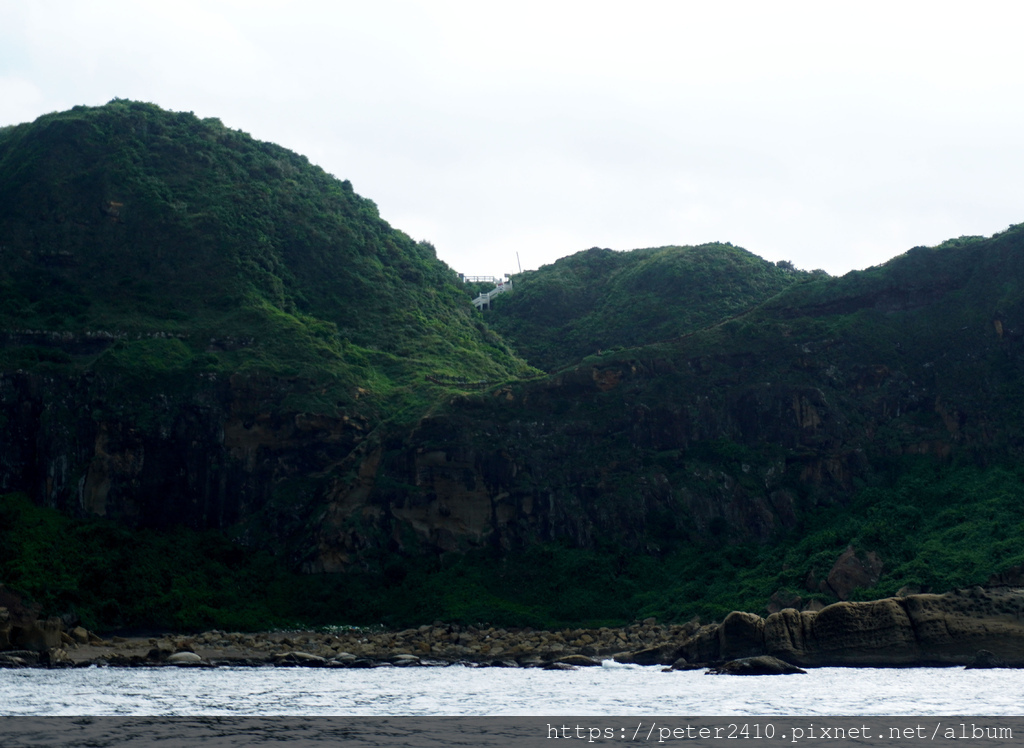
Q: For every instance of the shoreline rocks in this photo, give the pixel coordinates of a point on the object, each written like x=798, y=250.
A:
x=919, y=630
x=975, y=628
x=430, y=645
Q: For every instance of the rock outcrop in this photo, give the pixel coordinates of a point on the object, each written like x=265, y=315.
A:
x=22, y=629
x=38, y=636
x=916, y=630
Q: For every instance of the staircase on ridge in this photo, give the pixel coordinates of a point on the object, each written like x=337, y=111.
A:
x=483, y=301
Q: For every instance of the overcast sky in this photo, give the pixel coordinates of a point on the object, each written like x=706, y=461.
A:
x=835, y=135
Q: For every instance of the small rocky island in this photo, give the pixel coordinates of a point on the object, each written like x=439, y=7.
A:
x=975, y=627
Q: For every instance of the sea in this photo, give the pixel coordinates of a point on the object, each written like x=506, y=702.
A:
x=169, y=706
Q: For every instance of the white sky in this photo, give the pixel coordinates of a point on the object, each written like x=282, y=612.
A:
x=835, y=135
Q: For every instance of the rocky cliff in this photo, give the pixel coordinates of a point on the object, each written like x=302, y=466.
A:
x=730, y=432
x=215, y=455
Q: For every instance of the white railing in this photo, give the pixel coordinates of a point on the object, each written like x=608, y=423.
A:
x=483, y=301
x=480, y=279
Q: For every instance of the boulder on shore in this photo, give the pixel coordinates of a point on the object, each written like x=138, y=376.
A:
x=761, y=665
x=984, y=659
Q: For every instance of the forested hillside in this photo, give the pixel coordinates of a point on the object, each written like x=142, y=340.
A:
x=143, y=237
x=863, y=428
x=232, y=395
x=600, y=299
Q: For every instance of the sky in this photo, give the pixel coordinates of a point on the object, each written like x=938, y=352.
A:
x=510, y=134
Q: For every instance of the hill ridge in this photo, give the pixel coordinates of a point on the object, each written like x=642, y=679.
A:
x=600, y=299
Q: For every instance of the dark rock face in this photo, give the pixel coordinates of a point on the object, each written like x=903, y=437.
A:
x=517, y=466
x=566, y=458
x=212, y=455
x=917, y=630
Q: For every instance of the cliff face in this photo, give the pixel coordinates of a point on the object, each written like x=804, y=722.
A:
x=507, y=469
x=227, y=453
x=729, y=433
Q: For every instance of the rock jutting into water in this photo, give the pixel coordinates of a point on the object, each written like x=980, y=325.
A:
x=761, y=665
x=913, y=631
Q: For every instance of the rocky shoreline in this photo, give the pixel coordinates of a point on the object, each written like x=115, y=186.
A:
x=435, y=645
x=975, y=627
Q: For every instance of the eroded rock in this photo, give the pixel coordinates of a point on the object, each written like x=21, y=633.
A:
x=37, y=636
x=916, y=630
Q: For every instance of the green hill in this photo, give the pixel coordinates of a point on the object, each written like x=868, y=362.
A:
x=198, y=248
x=215, y=407
x=601, y=299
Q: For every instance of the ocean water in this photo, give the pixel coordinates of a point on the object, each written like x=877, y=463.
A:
x=612, y=689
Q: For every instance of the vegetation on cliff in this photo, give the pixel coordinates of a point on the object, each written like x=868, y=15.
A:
x=213, y=362
x=191, y=248
x=713, y=471
x=600, y=299
x=936, y=529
